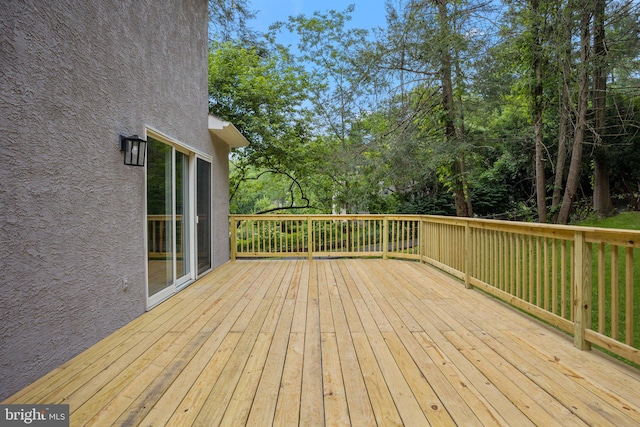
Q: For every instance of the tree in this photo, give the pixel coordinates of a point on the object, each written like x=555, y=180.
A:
x=581, y=120
x=601, y=186
x=229, y=21
x=342, y=101
x=441, y=114
x=263, y=93
x=537, y=29
x=427, y=52
x=453, y=120
x=564, y=31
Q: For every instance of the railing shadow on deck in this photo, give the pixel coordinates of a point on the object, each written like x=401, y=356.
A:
x=578, y=279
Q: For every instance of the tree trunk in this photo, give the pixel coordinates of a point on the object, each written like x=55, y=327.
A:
x=459, y=182
x=564, y=111
x=602, y=203
x=601, y=188
x=563, y=136
x=541, y=193
x=467, y=209
x=581, y=121
x=461, y=190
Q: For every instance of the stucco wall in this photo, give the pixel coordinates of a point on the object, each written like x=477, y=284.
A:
x=75, y=75
x=220, y=211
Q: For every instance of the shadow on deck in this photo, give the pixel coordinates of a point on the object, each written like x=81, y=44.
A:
x=338, y=342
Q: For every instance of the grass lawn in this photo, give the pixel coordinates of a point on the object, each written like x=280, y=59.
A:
x=625, y=220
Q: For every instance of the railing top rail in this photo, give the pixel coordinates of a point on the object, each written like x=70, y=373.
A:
x=476, y=222
x=314, y=216
x=592, y=234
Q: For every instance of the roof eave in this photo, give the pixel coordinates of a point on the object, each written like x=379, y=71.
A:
x=226, y=132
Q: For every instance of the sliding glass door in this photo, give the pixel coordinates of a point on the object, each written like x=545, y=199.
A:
x=169, y=219
x=203, y=221
x=178, y=217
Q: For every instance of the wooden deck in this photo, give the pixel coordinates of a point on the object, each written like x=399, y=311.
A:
x=338, y=342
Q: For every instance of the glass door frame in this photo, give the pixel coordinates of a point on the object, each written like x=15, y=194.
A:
x=183, y=280
x=191, y=239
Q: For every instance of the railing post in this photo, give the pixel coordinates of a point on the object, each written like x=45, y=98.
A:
x=309, y=238
x=468, y=255
x=234, y=238
x=422, y=240
x=582, y=291
x=385, y=237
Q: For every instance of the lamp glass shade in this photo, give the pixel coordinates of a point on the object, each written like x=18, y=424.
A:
x=135, y=150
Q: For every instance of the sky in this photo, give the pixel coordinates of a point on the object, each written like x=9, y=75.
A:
x=367, y=14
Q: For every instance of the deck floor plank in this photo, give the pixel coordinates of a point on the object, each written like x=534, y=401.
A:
x=400, y=338
x=338, y=342
x=490, y=405
x=194, y=400
x=311, y=398
x=375, y=323
x=358, y=402
x=264, y=403
x=434, y=341
x=243, y=397
x=544, y=402
x=383, y=405
x=143, y=392
x=614, y=385
x=571, y=394
x=288, y=404
x=442, y=388
x=116, y=368
x=336, y=412
x=249, y=324
x=216, y=329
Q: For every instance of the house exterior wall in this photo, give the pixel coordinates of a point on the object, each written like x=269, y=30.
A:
x=220, y=211
x=76, y=75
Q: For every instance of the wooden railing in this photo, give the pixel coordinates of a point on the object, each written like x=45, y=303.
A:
x=324, y=236
x=159, y=234
x=578, y=279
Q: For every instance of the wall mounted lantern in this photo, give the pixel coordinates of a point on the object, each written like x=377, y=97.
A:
x=135, y=150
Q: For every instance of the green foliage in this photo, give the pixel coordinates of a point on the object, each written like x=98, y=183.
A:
x=338, y=59
x=262, y=92
x=491, y=197
x=624, y=149
x=436, y=204
x=357, y=124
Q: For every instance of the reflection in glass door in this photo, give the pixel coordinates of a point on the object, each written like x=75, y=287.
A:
x=169, y=220
x=160, y=216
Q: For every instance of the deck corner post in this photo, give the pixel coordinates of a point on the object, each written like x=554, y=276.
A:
x=468, y=247
x=234, y=238
x=582, y=291
x=309, y=238
x=385, y=237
